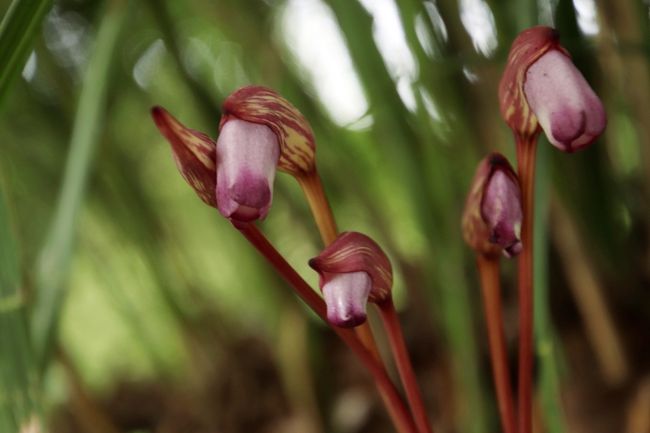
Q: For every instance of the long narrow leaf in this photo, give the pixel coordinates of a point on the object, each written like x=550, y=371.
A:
x=546, y=347
x=17, y=379
x=17, y=31
x=55, y=258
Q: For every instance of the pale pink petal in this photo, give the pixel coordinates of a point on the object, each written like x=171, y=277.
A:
x=501, y=210
x=567, y=108
x=346, y=296
x=247, y=157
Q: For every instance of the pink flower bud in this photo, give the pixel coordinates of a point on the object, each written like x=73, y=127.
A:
x=353, y=270
x=493, y=215
x=541, y=88
x=247, y=155
x=568, y=110
x=194, y=154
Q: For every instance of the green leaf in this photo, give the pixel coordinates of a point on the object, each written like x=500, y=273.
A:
x=17, y=379
x=546, y=346
x=17, y=31
x=55, y=257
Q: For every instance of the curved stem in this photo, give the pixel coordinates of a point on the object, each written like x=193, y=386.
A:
x=392, y=400
x=404, y=366
x=312, y=187
x=491, y=288
x=526, y=150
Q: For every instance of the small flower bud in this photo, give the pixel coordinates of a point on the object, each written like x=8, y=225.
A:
x=541, y=87
x=353, y=269
x=263, y=106
x=493, y=215
x=194, y=154
x=247, y=155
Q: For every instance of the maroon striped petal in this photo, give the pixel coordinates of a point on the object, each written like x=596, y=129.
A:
x=257, y=104
x=529, y=46
x=356, y=252
x=194, y=153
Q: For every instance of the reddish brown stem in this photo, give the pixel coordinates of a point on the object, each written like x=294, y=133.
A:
x=491, y=288
x=312, y=187
x=526, y=150
x=404, y=366
x=392, y=400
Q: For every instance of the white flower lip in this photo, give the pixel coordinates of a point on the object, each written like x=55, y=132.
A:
x=346, y=296
x=247, y=157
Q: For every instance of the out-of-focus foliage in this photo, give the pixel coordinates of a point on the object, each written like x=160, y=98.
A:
x=164, y=319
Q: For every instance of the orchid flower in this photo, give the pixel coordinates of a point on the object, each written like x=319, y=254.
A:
x=492, y=216
x=542, y=89
x=259, y=132
x=353, y=270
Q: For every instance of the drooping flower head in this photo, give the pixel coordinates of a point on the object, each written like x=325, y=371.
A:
x=492, y=216
x=353, y=270
x=259, y=132
x=542, y=89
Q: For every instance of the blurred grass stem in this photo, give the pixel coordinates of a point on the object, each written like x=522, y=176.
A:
x=20, y=25
x=20, y=395
x=549, y=352
x=404, y=366
x=89, y=415
x=392, y=400
x=592, y=304
x=488, y=269
x=167, y=27
x=526, y=149
x=56, y=255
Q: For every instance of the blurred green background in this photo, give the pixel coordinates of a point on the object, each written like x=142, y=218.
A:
x=127, y=305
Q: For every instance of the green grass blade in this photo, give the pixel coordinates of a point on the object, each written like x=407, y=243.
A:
x=17, y=31
x=546, y=347
x=18, y=402
x=55, y=257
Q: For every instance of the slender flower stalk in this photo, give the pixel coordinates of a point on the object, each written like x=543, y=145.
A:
x=541, y=89
x=392, y=400
x=488, y=268
x=312, y=187
x=354, y=255
x=403, y=362
x=321, y=210
x=526, y=154
x=491, y=226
